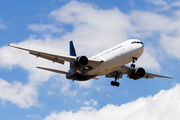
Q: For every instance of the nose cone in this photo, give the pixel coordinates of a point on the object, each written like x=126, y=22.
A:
x=141, y=49
x=138, y=49
x=137, y=46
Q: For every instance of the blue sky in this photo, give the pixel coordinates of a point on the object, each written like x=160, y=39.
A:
x=93, y=25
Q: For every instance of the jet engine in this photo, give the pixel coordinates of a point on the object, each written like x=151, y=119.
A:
x=137, y=73
x=80, y=62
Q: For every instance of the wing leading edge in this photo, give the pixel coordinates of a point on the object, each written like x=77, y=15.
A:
x=53, y=57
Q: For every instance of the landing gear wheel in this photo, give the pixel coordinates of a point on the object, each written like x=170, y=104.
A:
x=113, y=83
x=117, y=84
x=116, y=76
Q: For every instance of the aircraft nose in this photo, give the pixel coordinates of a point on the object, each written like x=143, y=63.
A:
x=142, y=44
x=141, y=49
x=138, y=48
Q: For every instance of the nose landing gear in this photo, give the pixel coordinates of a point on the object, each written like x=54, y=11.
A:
x=134, y=59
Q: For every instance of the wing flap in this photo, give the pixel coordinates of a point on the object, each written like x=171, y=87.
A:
x=53, y=70
x=52, y=58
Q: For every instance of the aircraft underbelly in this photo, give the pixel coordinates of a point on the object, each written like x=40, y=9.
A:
x=110, y=65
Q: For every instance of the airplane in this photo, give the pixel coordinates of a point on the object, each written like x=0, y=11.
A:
x=110, y=62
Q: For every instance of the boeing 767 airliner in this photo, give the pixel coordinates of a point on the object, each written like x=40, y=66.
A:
x=110, y=63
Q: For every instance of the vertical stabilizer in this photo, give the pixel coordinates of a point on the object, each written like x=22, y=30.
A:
x=72, y=49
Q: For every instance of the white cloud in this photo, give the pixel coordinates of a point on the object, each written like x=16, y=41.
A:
x=86, y=102
x=164, y=5
x=34, y=117
x=87, y=108
x=85, y=93
x=131, y=2
x=85, y=84
x=65, y=89
x=148, y=59
x=158, y=2
x=146, y=24
x=2, y=26
x=50, y=92
x=92, y=25
x=62, y=86
x=171, y=44
x=44, y=27
x=24, y=96
x=165, y=29
x=175, y=4
x=164, y=105
x=91, y=102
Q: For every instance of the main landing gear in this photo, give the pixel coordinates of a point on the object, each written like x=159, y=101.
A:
x=116, y=76
x=114, y=83
x=134, y=59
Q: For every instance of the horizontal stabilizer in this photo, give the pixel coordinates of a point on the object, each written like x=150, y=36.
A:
x=53, y=70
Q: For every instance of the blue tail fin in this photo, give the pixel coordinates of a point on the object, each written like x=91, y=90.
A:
x=72, y=49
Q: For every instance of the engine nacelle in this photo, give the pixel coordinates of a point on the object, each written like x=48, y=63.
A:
x=80, y=62
x=137, y=73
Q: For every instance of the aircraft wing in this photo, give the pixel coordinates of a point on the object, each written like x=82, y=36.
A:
x=53, y=70
x=127, y=70
x=57, y=58
x=151, y=75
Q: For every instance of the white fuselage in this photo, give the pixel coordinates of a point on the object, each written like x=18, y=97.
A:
x=117, y=56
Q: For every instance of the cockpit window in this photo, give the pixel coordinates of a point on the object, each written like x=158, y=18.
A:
x=136, y=42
